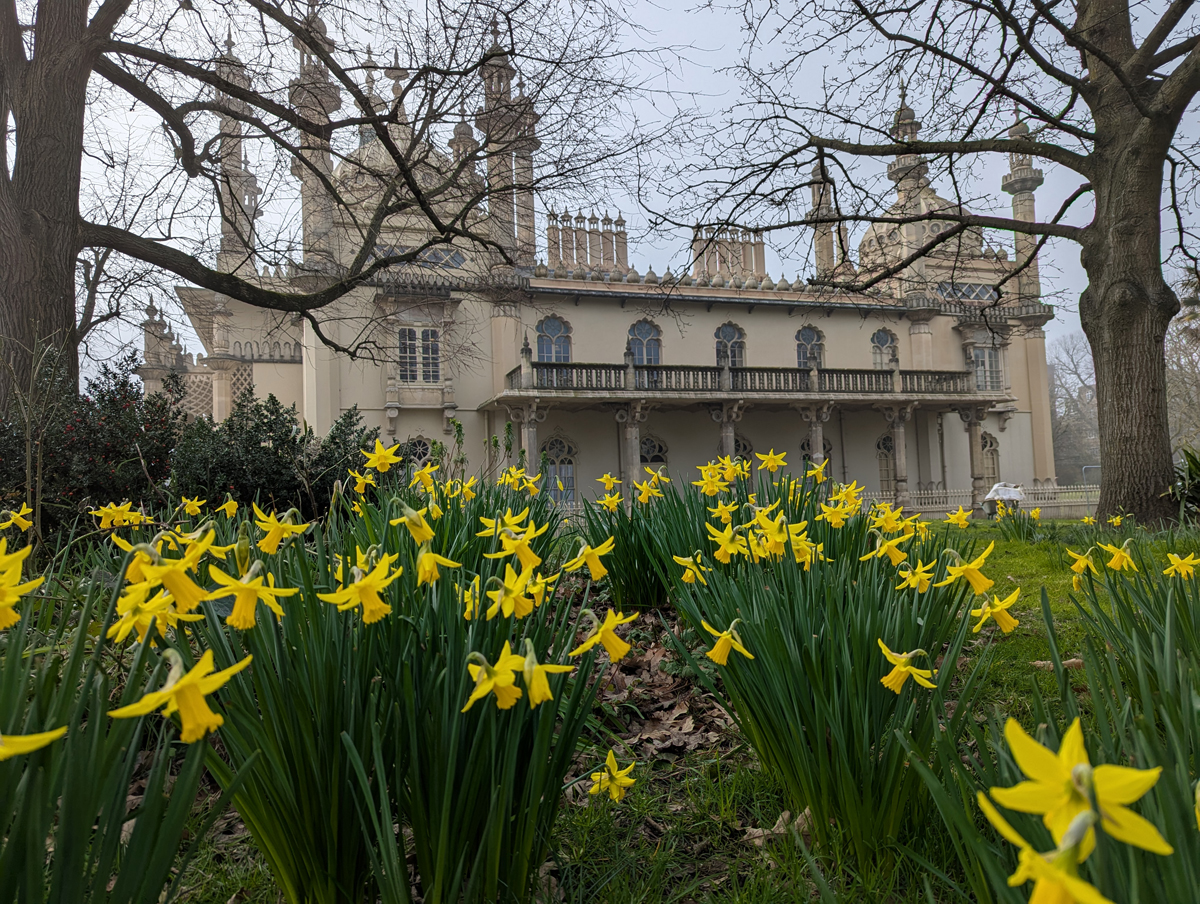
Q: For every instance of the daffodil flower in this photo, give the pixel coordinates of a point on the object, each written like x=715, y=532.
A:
x=889, y=548
x=771, y=462
x=613, y=779
x=590, y=556
x=1088, y=519
x=247, y=591
x=499, y=679
x=193, y=506
x=817, y=471
x=1121, y=559
x=364, y=591
x=997, y=610
x=729, y=542
x=362, y=481
x=185, y=694
x=961, y=518
x=1055, y=876
x=539, y=585
x=228, y=508
x=136, y=610
x=173, y=575
x=509, y=597
x=693, y=570
x=611, y=502
x=382, y=459
x=903, y=669
x=1116, y=520
x=17, y=518
x=423, y=476
x=916, y=578
x=19, y=745
x=512, y=542
x=468, y=488
x=605, y=633
x=833, y=515
x=275, y=530
x=494, y=527
x=726, y=640
x=427, y=565
x=647, y=490
x=609, y=482
x=1062, y=785
x=11, y=588
x=969, y=571
x=470, y=597
x=415, y=521
x=724, y=511
x=1182, y=566
x=535, y=676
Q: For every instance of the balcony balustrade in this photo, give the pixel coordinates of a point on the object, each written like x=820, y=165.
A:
x=581, y=377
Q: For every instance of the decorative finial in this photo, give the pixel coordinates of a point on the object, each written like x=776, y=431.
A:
x=495, y=30
x=229, y=40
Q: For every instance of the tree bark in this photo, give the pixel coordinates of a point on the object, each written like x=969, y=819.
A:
x=1125, y=311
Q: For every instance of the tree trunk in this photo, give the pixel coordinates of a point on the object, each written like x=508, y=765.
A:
x=1125, y=311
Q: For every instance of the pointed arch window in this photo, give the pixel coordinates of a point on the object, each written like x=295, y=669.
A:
x=560, y=453
x=810, y=348
x=645, y=341
x=991, y=458
x=653, y=451
x=731, y=345
x=885, y=456
x=806, y=449
x=416, y=452
x=884, y=349
x=553, y=341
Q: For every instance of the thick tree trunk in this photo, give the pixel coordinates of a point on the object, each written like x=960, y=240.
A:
x=1125, y=311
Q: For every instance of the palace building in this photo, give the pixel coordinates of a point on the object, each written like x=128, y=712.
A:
x=928, y=389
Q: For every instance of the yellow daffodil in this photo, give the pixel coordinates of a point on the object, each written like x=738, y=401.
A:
x=193, y=506
x=364, y=591
x=535, y=676
x=729, y=542
x=609, y=482
x=530, y=484
x=415, y=521
x=499, y=679
x=141, y=557
x=1116, y=520
x=427, y=565
x=17, y=518
x=903, y=669
x=512, y=543
x=980, y=583
x=1081, y=564
x=275, y=530
x=470, y=597
x=1088, y=519
x=591, y=557
x=771, y=462
x=1121, y=559
x=886, y=519
x=724, y=511
x=647, y=490
x=833, y=515
x=185, y=694
x=726, y=640
x=961, y=518
x=1182, y=566
x=774, y=532
x=1055, y=875
x=112, y=515
x=382, y=459
x=916, y=578
x=173, y=575
x=539, y=585
x=468, y=488
x=1061, y=786
x=613, y=779
x=228, y=508
x=11, y=588
x=509, y=597
x=424, y=476
x=711, y=484
x=136, y=609
x=605, y=633
x=611, y=502
x=1035, y=514
x=19, y=745
x=889, y=548
x=693, y=570
x=997, y=610
x=817, y=471
x=493, y=527
x=246, y=592
x=657, y=475
x=362, y=481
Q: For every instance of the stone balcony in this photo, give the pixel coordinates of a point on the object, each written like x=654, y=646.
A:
x=687, y=383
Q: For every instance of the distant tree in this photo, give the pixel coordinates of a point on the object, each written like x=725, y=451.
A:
x=1073, y=408
x=1183, y=382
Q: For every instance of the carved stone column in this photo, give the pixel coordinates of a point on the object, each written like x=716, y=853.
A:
x=896, y=416
x=728, y=415
x=631, y=418
x=973, y=419
x=527, y=417
x=816, y=416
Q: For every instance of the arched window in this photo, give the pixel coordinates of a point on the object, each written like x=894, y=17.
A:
x=645, y=341
x=884, y=349
x=742, y=447
x=416, y=452
x=731, y=344
x=810, y=348
x=553, y=341
x=991, y=458
x=806, y=448
x=560, y=453
x=654, y=451
x=885, y=455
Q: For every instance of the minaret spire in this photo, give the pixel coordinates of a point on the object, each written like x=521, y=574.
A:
x=1021, y=182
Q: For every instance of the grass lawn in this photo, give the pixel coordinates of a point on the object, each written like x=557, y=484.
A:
x=698, y=826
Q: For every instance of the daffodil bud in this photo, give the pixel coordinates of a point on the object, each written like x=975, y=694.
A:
x=1077, y=830
x=241, y=549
